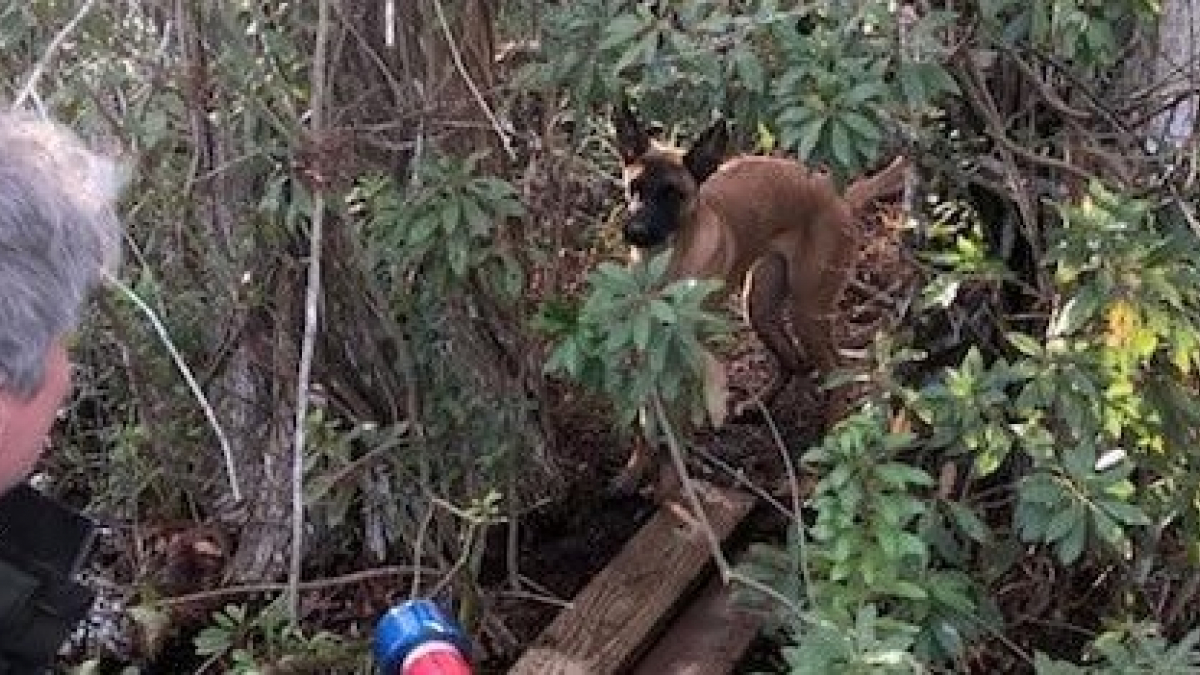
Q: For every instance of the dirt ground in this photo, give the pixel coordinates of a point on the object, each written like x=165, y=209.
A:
x=569, y=542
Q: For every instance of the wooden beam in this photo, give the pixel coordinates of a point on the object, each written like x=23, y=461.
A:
x=625, y=605
x=709, y=638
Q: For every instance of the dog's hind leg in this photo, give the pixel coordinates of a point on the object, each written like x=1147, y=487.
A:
x=765, y=302
x=814, y=317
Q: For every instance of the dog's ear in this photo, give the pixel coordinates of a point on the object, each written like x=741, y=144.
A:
x=708, y=152
x=632, y=139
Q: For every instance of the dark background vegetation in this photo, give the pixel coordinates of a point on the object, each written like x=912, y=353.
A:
x=435, y=410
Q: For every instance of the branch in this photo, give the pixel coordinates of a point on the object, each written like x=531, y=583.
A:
x=271, y=587
x=501, y=132
x=31, y=84
x=312, y=298
x=1046, y=90
x=197, y=391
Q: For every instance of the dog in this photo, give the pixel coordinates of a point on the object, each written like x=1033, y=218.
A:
x=777, y=231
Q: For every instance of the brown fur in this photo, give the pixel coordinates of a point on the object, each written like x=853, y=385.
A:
x=768, y=226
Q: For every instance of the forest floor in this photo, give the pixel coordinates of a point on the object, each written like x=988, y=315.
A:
x=568, y=542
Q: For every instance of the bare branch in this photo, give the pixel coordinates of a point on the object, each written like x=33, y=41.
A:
x=312, y=298
x=31, y=84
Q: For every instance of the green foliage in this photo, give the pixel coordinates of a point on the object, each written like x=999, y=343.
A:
x=1137, y=649
x=875, y=594
x=1086, y=31
x=1065, y=418
x=969, y=410
x=866, y=514
x=1072, y=402
x=632, y=338
x=444, y=227
x=822, y=81
x=434, y=246
x=870, y=645
x=250, y=643
x=1081, y=496
x=1067, y=436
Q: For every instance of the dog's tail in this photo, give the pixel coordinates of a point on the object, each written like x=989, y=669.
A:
x=885, y=183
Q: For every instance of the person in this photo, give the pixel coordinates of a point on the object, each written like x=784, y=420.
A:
x=59, y=236
x=59, y=233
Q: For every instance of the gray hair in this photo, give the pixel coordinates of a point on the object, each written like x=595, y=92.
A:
x=59, y=234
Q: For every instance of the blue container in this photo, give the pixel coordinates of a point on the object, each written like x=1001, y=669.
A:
x=408, y=626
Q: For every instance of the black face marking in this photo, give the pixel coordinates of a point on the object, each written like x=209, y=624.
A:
x=661, y=179
x=657, y=199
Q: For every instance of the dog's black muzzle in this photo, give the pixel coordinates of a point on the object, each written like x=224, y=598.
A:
x=649, y=225
x=637, y=234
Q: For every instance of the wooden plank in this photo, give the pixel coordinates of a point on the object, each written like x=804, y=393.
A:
x=709, y=638
x=612, y=618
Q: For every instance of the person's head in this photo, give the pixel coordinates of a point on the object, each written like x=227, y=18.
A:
x=58, y=233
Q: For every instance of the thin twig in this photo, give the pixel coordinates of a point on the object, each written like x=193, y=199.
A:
x=501, y=132
x=1047, y=91
x=699, y=515
x=312, y=298
x=373, y=55
x=186, y=372
x=738, y=476
x=794, y=486
x=419, y=548
x=311, y=585
x=31, y=84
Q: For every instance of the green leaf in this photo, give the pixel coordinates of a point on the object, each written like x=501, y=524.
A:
x=1077, y=311
x=749, y=69
x=621, y=31
x=1079, y=461
x=477, y=220
x=969, y=523
x=1025, y=344
x=452, y=211
x=421, y=228
x=912, y=86
x=1127, y=514
x=793, y=115
x=459, y=258
x=1107, y=529
x=809, y=136
x=1040, y=488
x=901, y=476
x=862, y=126
x=992, y=452
x=948, y=636
x=839, y=140
x=1064, y=521
x=1070, y=547
x=641, y=331
x=908, y=590
x=863, y=92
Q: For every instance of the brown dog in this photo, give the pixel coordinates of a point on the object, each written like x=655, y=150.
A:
x=780, y=233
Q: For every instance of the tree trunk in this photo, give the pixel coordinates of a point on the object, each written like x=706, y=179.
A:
x=1177, y=68
x=243, y=389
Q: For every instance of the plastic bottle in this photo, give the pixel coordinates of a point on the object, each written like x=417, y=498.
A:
x=417, y=638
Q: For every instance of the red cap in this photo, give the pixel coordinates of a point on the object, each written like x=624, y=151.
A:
x=435, y=658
